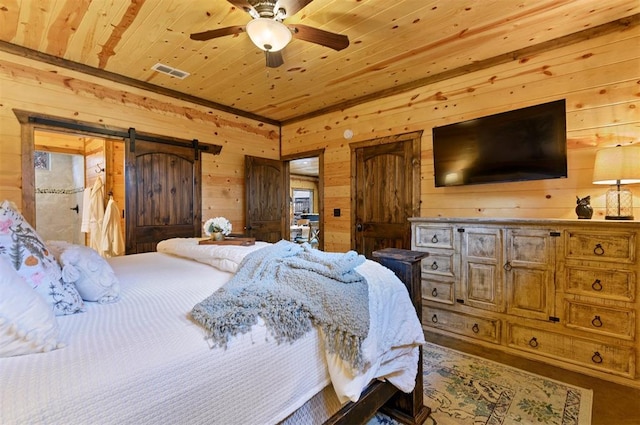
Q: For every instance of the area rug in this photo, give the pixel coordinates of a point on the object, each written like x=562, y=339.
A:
x=462, y=389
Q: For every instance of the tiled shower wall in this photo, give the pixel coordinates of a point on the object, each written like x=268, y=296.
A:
x=59, y=189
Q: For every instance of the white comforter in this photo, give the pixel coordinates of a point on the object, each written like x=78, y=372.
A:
x=141, y=360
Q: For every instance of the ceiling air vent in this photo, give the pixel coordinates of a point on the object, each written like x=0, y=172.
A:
x=166, y=69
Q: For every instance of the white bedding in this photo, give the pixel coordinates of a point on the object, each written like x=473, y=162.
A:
x=141, y=360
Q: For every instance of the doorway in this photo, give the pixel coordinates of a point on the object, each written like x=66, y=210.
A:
x=65, y=163
x=305, y=200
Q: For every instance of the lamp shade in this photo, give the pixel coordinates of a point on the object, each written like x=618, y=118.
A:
x=268, y=34
x=617, y=165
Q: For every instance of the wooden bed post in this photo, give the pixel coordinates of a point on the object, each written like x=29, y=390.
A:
x=407, y=408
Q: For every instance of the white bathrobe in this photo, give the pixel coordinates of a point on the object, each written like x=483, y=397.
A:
x=112, y=244
x=96, y=214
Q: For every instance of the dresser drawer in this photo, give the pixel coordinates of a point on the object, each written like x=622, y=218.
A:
x=463, y=324
x=438, y=263
x=616, y=322
x=619, y=360
x=438, y=291
x=594, y=282
x=593, y=246
x=432, y=236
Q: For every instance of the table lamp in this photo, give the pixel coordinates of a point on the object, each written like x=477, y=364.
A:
x=617, y=166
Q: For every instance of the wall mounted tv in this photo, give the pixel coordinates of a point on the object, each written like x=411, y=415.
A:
x=523, y=144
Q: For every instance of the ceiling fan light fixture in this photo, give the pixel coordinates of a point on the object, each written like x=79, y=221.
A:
x=268, y=34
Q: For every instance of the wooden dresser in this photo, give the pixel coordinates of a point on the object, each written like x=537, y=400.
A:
x=558, y=291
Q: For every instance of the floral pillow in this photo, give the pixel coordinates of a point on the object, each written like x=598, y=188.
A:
x=27, y=323
x=23, y=248
x=87, y=270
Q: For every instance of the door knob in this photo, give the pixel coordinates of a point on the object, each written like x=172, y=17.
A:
x=359, y=227
x=76, y=209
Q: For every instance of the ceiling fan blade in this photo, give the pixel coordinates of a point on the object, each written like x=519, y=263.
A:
x=220, y=32
x=244, y=5
x=318, y=36
x=291, y=7
x=274, y=59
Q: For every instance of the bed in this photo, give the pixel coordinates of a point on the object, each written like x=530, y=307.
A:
x=140, y=358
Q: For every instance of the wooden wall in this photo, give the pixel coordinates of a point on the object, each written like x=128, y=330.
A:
x=600, y=79
x=34, y=86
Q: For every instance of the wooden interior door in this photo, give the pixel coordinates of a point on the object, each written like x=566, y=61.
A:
x=267, y=191
x=386, y=185
x=163, y=192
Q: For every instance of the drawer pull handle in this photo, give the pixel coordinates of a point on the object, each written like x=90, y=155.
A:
x=434, y=266
x=533, y=342
x=507, y=266
x=434, y=293
x=475, y=328
x=597, y=285
x=434, y=318
x=598, y=250
x=597, y=322
x=434, y=239
x=596, y=358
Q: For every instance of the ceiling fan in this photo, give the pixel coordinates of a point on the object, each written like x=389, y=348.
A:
x=267, y=31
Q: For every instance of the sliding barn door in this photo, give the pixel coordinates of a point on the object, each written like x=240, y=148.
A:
x=163, y=194
x=267, y=189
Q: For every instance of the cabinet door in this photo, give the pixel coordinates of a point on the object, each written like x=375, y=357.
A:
x=481, y=284
x=528, y=270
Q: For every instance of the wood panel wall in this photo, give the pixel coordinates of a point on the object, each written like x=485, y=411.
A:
x=34, y=86
x=599, y=78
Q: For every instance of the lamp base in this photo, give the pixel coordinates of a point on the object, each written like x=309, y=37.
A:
x=619, y=204
x=618, y=217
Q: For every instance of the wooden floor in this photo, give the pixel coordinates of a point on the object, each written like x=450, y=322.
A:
x=612, y=404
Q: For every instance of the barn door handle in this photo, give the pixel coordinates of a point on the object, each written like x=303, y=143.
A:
x=359, y=227
x=76, y=209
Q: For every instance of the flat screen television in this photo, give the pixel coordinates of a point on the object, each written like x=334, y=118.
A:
x=523, y=144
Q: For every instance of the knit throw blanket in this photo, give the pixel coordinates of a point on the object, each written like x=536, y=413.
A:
x=293, y=287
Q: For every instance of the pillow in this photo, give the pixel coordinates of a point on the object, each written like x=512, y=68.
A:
x=223, y=257
x=87, y=270
x=27, y=323
x=23, y=248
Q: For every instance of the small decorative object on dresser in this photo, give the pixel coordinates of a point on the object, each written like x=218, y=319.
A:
x=584, y=209
x=217, y=228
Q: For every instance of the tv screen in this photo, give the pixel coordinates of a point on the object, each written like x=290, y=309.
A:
x=523, y=144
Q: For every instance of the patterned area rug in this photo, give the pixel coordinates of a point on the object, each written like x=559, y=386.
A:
x=463, y=389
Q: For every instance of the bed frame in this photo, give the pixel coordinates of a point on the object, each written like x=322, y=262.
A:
x=382, y=396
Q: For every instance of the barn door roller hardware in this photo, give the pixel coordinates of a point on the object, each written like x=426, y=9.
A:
x=130, y=134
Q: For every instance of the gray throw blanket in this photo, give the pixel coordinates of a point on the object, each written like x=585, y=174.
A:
x=293, y=287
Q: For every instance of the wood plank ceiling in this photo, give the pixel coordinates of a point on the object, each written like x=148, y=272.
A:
x=393, y=44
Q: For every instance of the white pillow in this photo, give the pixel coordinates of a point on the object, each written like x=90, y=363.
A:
x=87, y=270
x=23, y=248
x=223, y=257
x=27, y=322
